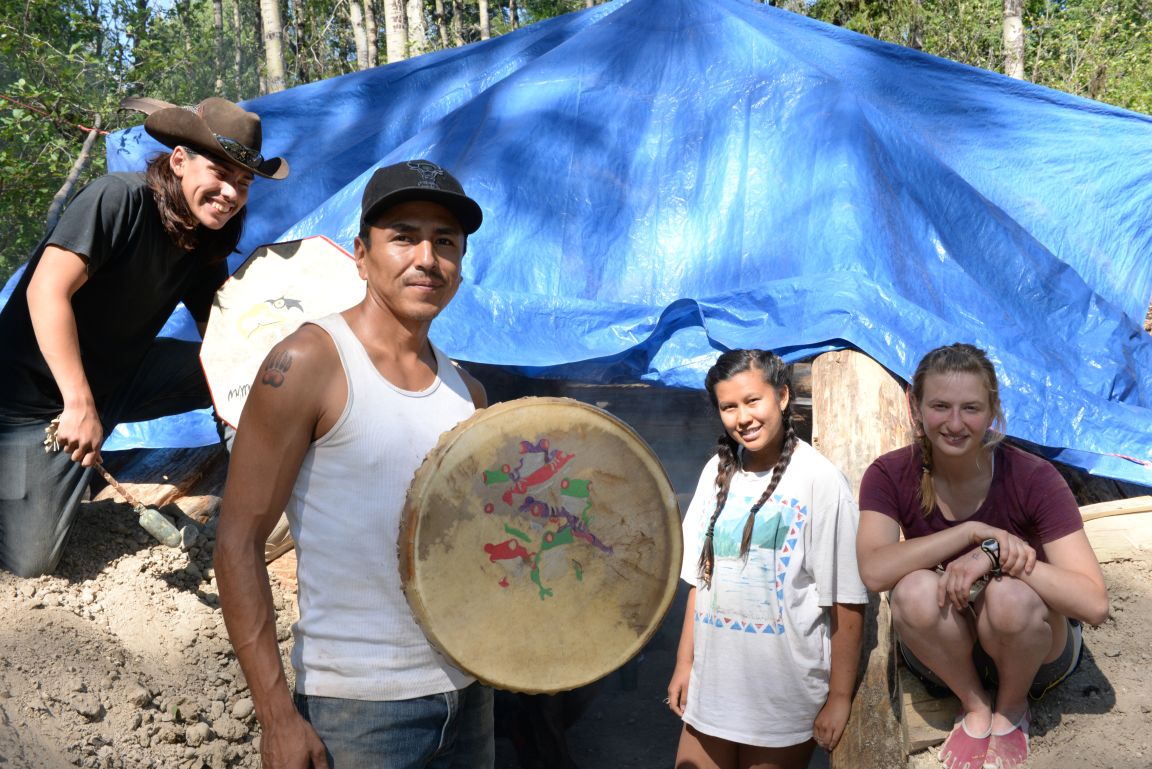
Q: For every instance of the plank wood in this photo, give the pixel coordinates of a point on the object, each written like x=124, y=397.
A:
x=858, y=413
x=1116, y=507
x=1119, y=538
x=925, y=719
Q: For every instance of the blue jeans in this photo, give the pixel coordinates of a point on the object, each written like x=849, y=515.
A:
x=40, y=493
x=441, y=731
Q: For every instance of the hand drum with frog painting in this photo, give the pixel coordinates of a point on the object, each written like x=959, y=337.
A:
x=540, y=544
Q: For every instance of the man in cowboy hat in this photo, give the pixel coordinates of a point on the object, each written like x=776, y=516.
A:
x=341, y=414
x=80, y=328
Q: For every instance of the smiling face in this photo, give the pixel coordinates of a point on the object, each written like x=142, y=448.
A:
x=214, y=191
x=752, y=412
x=411, y=259
x=955, y=413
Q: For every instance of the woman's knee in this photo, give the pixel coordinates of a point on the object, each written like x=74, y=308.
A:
x=1011, y=607
x=913, y=600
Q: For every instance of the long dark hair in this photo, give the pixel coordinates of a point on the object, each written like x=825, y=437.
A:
x=958, y=358
x=776, y=374
x=179, y=221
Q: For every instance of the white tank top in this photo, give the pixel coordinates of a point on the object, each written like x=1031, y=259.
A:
x=356, y=637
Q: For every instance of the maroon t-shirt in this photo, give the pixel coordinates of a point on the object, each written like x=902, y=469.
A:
x=1027, y=497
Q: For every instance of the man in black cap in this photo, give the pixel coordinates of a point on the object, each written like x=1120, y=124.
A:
x=80, y=328
x=340, y=416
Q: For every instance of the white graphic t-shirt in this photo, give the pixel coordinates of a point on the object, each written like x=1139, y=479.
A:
x=761, y=634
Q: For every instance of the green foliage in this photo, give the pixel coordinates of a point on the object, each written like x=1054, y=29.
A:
x=1101, y=49
x=56, y=77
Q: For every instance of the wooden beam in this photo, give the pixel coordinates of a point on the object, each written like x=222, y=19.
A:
x=1116, y=507
x=925, y=719
x=858, y=413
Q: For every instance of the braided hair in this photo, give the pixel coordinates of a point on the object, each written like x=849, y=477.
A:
x=958, y=358
x=776, y=374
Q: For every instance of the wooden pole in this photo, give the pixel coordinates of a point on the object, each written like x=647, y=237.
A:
x=859, y=412
x=78, y=167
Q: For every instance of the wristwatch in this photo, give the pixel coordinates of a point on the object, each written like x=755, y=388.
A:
x=991, y=549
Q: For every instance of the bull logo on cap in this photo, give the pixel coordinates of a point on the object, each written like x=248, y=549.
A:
x=428, y=173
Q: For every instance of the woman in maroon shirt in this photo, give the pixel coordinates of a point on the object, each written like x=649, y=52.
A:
x=994, y=573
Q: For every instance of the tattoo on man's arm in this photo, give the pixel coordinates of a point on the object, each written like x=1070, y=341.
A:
x=277, y=366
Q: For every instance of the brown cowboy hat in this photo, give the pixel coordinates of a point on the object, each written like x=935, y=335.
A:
x=216, y=126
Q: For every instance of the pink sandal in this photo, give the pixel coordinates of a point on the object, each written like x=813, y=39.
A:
x=964, y=750
x=1009, y=750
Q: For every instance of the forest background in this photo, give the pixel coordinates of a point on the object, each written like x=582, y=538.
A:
x=66, y=64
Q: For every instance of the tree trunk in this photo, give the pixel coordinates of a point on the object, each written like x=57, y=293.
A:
x=916, y=27
x=184, y=13
x=261, y=72
x=417, y=28
x=273, y=44
x=218, y=28
x=370, y=33
x=237, y=55
x=458, y=22
x=359, y=34
x=395, y=30
x=78, y=167
x=485, y=26
x=513, y=16
x=441, y=27
x=1014, y=39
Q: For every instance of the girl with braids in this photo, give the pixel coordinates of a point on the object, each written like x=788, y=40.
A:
x=994, y=572
x=769, y=651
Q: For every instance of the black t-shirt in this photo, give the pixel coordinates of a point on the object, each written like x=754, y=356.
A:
x=136, y=277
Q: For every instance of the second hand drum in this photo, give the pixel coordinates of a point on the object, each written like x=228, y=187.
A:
x=540, y=545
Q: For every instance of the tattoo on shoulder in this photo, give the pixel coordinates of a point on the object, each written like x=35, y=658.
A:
x=276, y=366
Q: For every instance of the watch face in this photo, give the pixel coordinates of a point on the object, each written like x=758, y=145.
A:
x=990, y=544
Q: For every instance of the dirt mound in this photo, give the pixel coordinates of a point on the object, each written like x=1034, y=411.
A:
x=121, y=658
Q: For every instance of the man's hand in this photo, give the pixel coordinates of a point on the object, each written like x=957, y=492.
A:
x=80, y=433
x=292, y=745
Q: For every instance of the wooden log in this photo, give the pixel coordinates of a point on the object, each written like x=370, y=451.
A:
x=858, y=413
x=192, y=479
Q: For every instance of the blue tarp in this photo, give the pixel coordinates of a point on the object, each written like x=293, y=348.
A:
x=663, y=179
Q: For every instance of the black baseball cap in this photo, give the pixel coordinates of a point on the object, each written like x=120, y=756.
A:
x=419, y=180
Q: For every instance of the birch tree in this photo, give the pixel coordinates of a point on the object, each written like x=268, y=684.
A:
x=273, y=44
x=218, y=26
x=237, y=51
x=395, y=30
x=359, y=34
x=1013, y=36
x=417, y=28
x=370, y=32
